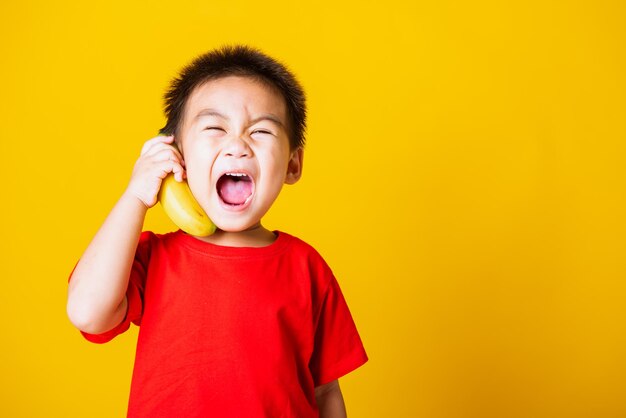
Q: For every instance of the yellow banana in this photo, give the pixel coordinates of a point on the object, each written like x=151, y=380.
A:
x=183, y=209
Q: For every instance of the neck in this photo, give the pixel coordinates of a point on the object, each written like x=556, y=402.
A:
x=256, y=236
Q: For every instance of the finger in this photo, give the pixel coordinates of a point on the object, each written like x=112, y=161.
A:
x=179, y=173
x=166, y=167
x=149, y=144
x=158, y=147
x=165, y=154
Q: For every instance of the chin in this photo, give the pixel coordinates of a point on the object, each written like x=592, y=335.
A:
x=235, y=225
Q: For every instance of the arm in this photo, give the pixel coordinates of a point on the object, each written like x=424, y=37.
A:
x=330, y=400
x=96, y=299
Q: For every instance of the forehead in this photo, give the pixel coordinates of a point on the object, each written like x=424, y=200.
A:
x=234, y=94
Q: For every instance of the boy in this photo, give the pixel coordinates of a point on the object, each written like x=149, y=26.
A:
x=246, y=322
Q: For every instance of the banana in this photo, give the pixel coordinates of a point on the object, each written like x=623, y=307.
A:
x=183, y=209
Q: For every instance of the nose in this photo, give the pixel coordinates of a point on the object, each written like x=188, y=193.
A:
x=237, y=147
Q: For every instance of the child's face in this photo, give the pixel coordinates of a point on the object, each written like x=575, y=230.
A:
x=236, y=150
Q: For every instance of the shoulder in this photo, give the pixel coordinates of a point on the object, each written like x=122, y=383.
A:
x=310, y=261
x=153, y=236
x=149, y=240
x=299, y=246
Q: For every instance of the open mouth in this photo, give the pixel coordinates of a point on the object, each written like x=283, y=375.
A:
x=235, y=189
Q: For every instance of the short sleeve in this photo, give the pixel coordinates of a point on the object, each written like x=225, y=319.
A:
x=134, y=293
x=338, y=348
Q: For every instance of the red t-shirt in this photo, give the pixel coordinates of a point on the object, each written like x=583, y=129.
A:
x=234, y=332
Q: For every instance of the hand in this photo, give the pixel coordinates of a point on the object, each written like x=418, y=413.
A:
x=159, y=157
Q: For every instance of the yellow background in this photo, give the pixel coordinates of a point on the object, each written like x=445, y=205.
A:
x=464, y=177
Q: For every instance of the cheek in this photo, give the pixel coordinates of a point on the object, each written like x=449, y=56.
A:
x=194, y=169
x=276, y=178
x=199, y=185
x=275, y=163
x=198, y=169
x=198, y=155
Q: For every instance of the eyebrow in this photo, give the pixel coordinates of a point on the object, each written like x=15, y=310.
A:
x=265, y=116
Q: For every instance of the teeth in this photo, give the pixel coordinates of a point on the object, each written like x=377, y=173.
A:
x=236, y=174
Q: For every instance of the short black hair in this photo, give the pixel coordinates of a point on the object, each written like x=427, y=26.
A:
x=237, y=60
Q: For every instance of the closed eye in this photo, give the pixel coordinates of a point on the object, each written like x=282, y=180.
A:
x=262, y=131
x=208, y=128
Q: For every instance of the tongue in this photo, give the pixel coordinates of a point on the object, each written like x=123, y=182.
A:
x=235, y=192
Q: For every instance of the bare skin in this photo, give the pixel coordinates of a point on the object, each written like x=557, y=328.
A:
x=237, y=138
x=330, y=400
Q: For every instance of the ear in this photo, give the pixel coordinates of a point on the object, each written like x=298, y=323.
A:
x=294, y=168
x=178, y=144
